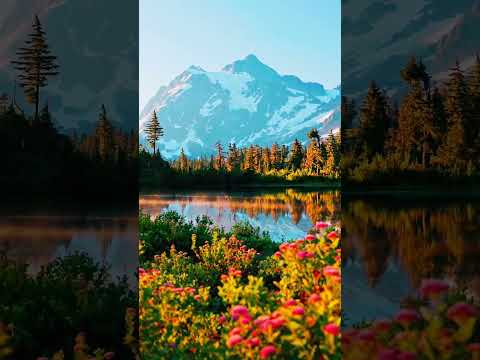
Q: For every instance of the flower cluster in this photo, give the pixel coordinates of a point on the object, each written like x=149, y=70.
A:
x=441, y=326
x=297, y=315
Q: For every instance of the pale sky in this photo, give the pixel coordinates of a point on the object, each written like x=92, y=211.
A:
x=299, y=38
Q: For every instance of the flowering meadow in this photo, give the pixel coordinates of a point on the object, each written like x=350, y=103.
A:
x=222, y=299
x=440, y=324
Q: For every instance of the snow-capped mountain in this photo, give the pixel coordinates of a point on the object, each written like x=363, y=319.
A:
x=379, y=37
x=246, y=102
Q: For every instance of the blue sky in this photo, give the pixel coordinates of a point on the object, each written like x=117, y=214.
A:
x=300, y=37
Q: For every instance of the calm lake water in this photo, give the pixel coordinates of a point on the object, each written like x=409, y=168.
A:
x=390, y=244
x=285, y=214
x=39, y=237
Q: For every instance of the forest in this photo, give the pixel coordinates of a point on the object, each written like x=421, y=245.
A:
x=432, y=135
x=316, y=163
x=38, y=159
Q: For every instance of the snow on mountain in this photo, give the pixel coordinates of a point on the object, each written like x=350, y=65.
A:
x=246, y=102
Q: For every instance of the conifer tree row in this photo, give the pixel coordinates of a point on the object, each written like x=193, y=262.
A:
x=434, y=128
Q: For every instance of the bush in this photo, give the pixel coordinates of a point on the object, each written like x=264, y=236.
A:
x=45, y=312
x=215, y=304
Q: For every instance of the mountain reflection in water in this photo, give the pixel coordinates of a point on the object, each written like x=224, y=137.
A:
x=388, y=249
x=285, y=214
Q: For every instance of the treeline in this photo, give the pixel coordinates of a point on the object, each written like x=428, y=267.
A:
x=37, y=159
x=434, y=130
x=318, y=160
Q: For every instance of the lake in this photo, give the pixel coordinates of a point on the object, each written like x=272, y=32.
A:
x=38, y=236
x=286, y=214
x=389, y=244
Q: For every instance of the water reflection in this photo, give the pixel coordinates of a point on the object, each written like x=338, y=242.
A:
x=389, y=245
x=284, y=214
x=37, y=239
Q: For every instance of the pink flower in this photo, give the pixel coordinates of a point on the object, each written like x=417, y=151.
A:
x=298, y=311
x=332, y=329
x=260, y=320
x=235, y=331
x=431, y=288
x=254, y=342
x=301, y=255
x=407, y=317
x=278, y=254
x=314, y=298
x=222, y=319
x=290, y=302
x=267, y=351
x=283, y=247
x=460, y=312
x=310, y=237
x=239, y=310
x=234, y=340
x=331, y=271
x=276, y=323
x=332, y=235
x=109, y=355
x=320, y=225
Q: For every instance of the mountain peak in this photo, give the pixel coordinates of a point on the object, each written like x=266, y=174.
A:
x=251, y=65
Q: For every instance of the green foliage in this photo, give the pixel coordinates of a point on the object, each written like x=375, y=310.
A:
x=69, y=295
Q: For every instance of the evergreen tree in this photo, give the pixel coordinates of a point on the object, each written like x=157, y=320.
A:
x=154, y=131
x=373, y=121
x=104, y=135
x=35, y=64
x=219, y=158
x=183, y=161
x=296, y=155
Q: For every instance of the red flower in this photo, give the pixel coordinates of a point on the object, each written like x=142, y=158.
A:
x=332, y=235
x=314, y=298
x=407, y=316
x=332, y=329
x=234, y=340
x=267, y=351
x=298, y=311
x=433, y=288
x=254, y=342
x=278, y=254
x=461, y=312
x=290, y=302
x=320, y=225
x=310, y=237
x=331, y=271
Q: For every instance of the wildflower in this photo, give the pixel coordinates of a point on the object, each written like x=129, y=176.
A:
x=332, y=329
x=298, y=311
x=302, y=255
x=254, y=342
x=234, y=340
x=407, y=317
x=109, y=355
x=283, y=247
x=331, y=271
x=290, y=302
x=267, y=351
x=278, y=254
x=235, y=331
x=222, y=319
x=320, y=225
x=460, y=312
x=432, y=288
x=314, y=298
x=332, y=235
x=239, y=310
x=310, y=237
